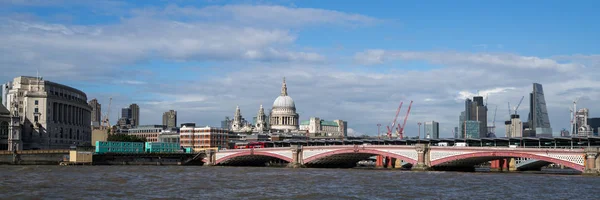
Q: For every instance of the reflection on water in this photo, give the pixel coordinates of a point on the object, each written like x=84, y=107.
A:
x=195, y=182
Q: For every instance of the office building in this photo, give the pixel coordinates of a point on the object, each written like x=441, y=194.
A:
x=203, y=137
x=135, y=115
x=318, y=128
x=170, y=119
x=595, y=124
x=126, y=113
x=539, y=122
x=432, y=130
x=53, y=116
x=152, y=132
x=96, y=113
x=226, y=124
x=475, y=110
x=130, y=117
x=472, y=128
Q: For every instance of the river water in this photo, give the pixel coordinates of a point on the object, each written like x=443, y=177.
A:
x=196, y=182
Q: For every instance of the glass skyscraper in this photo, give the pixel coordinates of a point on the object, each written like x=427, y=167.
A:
x=539, y=122
x=432, y=130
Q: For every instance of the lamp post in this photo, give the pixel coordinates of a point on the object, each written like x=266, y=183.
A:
x=378, y=134
x=419, y=123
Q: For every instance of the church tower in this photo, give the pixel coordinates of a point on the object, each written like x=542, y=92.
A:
x=261, y=124
x=237, y=125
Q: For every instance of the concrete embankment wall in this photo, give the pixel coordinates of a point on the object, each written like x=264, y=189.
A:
x=33, y=159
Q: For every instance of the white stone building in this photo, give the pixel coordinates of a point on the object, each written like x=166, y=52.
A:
x=318, y=128
x=53, y=116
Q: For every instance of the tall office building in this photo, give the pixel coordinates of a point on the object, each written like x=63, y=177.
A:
x=96, y=113
x=539, y=122
x=475, y=110
x=226, y=124
x=595, y=124
x=170, y=119
x=126, y=113
x=135, y=115
x=432, y=130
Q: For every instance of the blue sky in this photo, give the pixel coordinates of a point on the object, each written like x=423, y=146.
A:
x=347, y=60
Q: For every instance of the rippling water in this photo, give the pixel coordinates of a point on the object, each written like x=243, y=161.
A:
x=195, y=182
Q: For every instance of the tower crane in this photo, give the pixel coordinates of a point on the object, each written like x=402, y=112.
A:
x=521, y=101
x=401, y=131
x=106, y=121
x=494, y=121
x=389, y=133
x=574, y=117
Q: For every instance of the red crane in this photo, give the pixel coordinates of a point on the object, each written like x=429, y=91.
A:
x=389, y=133
x=401, y=132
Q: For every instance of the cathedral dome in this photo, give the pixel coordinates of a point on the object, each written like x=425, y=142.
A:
x=284, y=102
x=283, y=116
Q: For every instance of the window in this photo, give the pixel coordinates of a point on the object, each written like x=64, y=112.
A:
x=36, y=102
x=3, y=129
x=36, y=110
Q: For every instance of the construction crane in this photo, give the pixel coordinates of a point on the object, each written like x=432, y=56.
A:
x=401, y=131
x=106, y=121
x=517, y=108
x=389, y=133
x=574, y=117
x=493, y=130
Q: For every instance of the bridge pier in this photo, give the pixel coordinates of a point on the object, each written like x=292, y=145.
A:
x=423, y=158
x=501, y=165
x=592, y=161
x=211, y=156
x=297, y=161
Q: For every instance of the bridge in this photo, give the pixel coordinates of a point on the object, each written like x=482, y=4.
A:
x=416, y=157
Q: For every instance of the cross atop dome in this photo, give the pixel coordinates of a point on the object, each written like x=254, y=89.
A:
x=284, y=88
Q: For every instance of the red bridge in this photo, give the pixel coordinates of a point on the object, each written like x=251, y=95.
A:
x=417, y=157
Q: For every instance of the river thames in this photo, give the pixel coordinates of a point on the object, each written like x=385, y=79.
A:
x=195, y=182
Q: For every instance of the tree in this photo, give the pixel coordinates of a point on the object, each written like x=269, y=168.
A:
x=125, y=138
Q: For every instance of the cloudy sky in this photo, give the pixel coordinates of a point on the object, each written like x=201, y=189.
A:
x=342, y=59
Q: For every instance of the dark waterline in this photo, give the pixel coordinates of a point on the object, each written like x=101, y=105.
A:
x=195, y=182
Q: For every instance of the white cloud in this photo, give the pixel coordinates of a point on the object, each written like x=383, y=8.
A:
x=462, y=95
x=172, y=33
x=494, y=60
x=262, y=15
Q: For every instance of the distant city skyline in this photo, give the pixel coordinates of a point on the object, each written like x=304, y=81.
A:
x=345, y=61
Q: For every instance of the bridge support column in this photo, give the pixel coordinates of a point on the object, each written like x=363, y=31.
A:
x=423, y=161
x=211, y=156
x=297, y=161
x=512, y=165
x=379, y=161
x=591, y=158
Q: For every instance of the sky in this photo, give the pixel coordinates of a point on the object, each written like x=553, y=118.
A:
x=348, y=60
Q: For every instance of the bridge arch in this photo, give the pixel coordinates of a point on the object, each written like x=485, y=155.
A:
x=353, y=151
x=263, y=154
x=489, y=156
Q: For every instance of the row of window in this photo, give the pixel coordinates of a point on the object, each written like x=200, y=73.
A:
x=206, y=131
x=68, y=96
